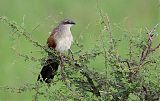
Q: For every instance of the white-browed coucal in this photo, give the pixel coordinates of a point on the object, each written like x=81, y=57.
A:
x=60, y=40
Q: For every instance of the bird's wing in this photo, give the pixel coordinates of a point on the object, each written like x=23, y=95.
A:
x=51, y=40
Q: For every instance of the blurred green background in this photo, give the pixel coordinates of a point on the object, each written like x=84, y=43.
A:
x=14, y=71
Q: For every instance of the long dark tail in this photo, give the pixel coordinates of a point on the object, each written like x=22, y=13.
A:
x=49, y=70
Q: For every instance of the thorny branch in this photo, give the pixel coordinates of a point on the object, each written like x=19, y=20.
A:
x=90, y=81
x=148, y=48
x=63, y=74
x=22, y=31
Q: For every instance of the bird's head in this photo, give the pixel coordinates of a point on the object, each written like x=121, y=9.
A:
x=67, y=22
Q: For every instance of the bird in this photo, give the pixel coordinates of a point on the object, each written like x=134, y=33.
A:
x=60, y=40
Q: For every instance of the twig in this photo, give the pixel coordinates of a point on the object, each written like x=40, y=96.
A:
x=90, y=81
x=63, y=74
x=158, y=46
x=35, y=28
x=35, y=98
x=126, y=61
x=148, y=49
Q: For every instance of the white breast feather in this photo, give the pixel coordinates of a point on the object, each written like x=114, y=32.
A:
x=64, y=41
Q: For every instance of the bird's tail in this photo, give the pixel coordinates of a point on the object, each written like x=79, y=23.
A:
x=49, y=69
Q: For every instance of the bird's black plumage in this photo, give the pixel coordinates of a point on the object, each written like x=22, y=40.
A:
x=49, y=70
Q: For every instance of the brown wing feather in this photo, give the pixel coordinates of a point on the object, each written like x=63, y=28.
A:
x=51, y=41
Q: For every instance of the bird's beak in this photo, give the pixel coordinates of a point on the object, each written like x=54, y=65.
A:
x=72, y=22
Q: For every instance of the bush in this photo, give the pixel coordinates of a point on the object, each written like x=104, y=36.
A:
x=134, y=76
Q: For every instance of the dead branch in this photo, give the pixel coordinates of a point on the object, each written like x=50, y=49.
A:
x=148, y=48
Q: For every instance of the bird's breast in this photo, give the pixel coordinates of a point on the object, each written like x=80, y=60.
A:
x=63, y=42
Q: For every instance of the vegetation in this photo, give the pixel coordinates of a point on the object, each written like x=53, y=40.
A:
x=124, y=78
x=121, y=64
